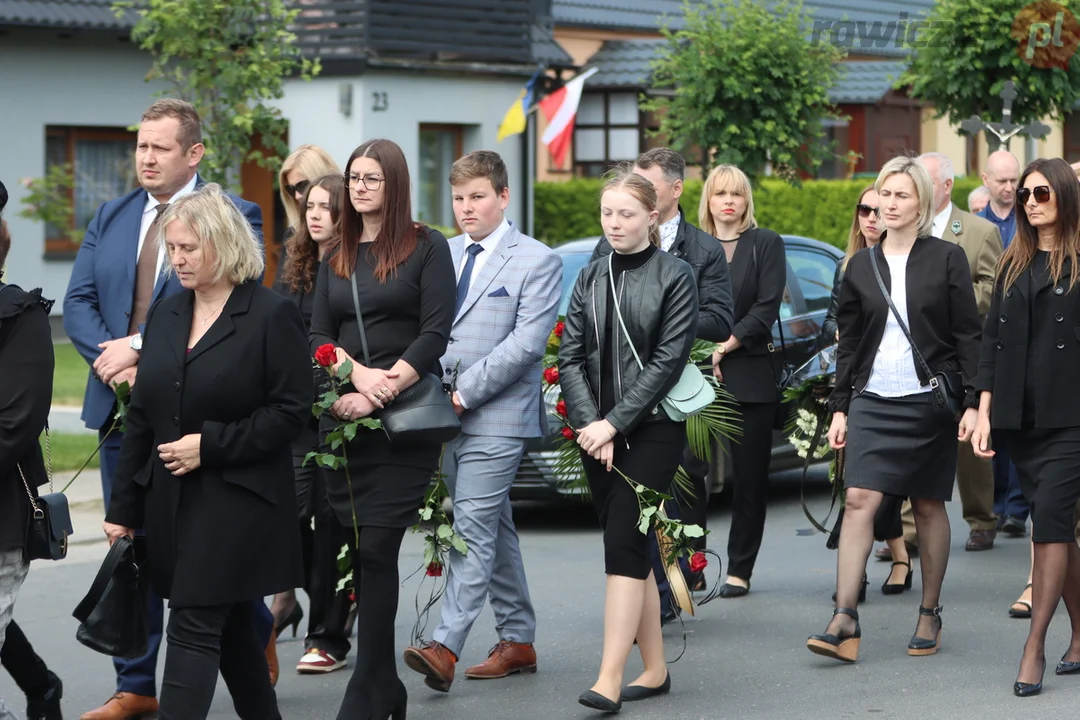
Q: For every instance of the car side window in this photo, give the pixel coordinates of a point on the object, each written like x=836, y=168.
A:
x=814, y=272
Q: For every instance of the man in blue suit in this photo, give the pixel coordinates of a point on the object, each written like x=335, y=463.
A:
x=118, y=274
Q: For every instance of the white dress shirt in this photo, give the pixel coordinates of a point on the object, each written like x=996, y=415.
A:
x=489, y=243
x=668, y=231
x=893, y=372
x=941, y=221
x=150, y=212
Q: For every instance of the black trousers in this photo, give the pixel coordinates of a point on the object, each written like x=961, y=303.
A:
x=204, y=641
x=375, y=690
x=750, y=458
x=23, y=664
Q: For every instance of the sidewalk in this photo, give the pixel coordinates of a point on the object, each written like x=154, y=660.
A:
x=65, y=419
x=85, y=503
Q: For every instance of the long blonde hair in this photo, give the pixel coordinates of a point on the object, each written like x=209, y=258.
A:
x=735, y=181
x=856, y=241
x=312, y=162
x=623, y=177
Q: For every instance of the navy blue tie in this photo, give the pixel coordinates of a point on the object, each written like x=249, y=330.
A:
x=466, y=275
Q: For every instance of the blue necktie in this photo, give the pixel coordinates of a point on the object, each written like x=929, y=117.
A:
x=466, y=275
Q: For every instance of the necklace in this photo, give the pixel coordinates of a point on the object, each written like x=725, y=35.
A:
x=216, y=310
x=733, y=240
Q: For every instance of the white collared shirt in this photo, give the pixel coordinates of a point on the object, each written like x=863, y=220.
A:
x=941, y=221
x=150, y=212
x=893, y=372
x=668, y=231
x=489, y=244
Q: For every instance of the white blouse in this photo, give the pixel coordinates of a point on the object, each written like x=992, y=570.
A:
x=893, y=373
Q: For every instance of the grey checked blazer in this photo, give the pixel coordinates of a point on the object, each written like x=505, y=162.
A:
x=500, y=334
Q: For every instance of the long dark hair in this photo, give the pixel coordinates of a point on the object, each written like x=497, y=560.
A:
x=398, y=233
x=302, y=252
x=856, y=240
x=1021, y=250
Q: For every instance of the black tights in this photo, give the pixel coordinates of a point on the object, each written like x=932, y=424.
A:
x=375, y=690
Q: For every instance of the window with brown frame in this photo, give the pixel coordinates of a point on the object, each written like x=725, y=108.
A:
x=103, y=168
x=1072, y=137
x=608, y=129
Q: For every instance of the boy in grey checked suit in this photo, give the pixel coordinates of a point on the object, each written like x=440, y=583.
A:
x=509, y=287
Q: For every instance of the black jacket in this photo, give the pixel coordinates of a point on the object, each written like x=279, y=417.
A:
x=1051, y=347
x=660, y=309
x=26, y=385
x=942, y=316
x=828, y=325
x=226, y=532
x=705, y=255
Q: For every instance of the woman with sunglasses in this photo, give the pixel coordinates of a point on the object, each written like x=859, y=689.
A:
x=1030, y=351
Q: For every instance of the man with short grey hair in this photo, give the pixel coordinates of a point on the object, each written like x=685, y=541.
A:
x=978, y=199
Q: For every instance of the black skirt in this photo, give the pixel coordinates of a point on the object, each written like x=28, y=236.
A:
x=1048, y=462
x=900, y=446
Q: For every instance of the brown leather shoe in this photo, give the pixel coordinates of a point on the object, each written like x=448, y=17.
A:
x=271, y=658
x=435, y=662
x=506, y=658
x=980, y=540
x=123, y=706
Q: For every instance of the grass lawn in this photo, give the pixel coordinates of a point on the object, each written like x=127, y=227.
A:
x=70, y=450
x=69, y=379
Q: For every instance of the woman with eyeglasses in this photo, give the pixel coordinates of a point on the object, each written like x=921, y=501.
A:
x=1030, y=352
x=406, y=290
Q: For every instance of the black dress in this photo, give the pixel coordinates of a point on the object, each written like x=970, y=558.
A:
x=406, y=318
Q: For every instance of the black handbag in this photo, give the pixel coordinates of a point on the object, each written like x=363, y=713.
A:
x=422, y=415
x=50, y=519
x=946, y=386
x=112, y=616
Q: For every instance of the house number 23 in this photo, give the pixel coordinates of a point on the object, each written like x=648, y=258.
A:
x=380, y=102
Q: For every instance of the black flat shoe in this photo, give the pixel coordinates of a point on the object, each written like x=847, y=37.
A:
x=1067, y=667
x=896, y=589
x=862, y=590
x=1021, y=689
x=631, y=693
x=596, y=701
x=921, y=646
x=844, y=648
x=727, y=590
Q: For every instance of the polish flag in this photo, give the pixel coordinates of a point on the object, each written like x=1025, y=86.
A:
x=560, y=108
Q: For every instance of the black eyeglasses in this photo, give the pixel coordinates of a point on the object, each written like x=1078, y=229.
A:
x=865, y=210
x=371, y=182
x=299, y=188
x=1042, y=194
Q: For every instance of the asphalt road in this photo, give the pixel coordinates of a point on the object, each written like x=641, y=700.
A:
x=745, y=658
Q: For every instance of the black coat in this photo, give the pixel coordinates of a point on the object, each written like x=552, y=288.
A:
x=26, y=384
x=1010, y=343
x=942, y=316
x=828, y=325
x=226, y=532
x=758, y=279
x=705, y=255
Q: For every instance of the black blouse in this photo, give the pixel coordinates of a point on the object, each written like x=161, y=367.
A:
x=408, y=317
x=1040, y=323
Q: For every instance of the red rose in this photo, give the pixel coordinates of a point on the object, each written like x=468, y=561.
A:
x=559, y=326
x=551, y=375
x=698, y=562
x=325, y=355
x=560, y=408
x=568, y=433
x=434, y=569
x=352, y=597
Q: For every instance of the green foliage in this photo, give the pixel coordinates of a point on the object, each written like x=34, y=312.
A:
x=50, y=200
x=748, y=84
x=970, y=48
x=228, y=58
x=819, y=209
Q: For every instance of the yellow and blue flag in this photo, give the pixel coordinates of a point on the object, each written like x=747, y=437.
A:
x=515, y=121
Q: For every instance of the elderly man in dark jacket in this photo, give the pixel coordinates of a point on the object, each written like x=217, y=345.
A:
x=665, y=169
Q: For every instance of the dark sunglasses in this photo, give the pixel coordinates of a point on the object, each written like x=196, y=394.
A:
x=865, y=210
x=1042, y=194
x=299, y=188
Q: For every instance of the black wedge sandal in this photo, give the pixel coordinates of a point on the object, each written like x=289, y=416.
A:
x=921, y=646
x=844, y=648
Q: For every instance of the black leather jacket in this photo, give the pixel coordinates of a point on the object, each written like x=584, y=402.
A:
x=660, y=308
x=828, y=325
x=706, y=257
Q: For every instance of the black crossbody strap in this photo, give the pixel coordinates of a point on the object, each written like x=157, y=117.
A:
x=360, y=319
x=896, y=314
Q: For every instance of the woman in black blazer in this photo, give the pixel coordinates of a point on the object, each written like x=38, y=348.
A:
x=745, y=362
x=327, y=641
x=405, y=281
x=1029, y=392
x=897, y=442
x=205, y=467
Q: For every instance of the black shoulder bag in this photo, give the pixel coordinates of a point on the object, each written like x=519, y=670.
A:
x=50, y=520
x=422, y=414
x=112, y=616
x=947, y=386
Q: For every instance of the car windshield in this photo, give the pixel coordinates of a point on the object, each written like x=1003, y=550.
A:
x=572, y=264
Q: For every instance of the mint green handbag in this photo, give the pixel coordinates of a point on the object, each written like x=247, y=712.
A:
x=691, y=394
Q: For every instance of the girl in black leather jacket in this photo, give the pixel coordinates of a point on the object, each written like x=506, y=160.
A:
x=613, y=405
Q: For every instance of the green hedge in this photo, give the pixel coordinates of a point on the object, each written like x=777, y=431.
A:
x=820, y=209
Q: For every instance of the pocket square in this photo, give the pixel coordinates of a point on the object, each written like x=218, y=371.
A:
x=501, y=292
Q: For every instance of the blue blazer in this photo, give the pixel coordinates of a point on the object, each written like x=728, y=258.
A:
x=98, y=302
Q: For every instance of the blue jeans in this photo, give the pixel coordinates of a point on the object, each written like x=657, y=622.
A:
x=1008, y=498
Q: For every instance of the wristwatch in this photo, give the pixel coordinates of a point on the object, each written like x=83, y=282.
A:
x=720, y=350
x=135, y=343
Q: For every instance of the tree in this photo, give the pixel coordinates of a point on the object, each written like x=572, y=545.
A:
x=227, y=58
x=967, y=49
x=747, y=85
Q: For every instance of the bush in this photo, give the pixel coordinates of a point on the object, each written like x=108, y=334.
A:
x=820, y=209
